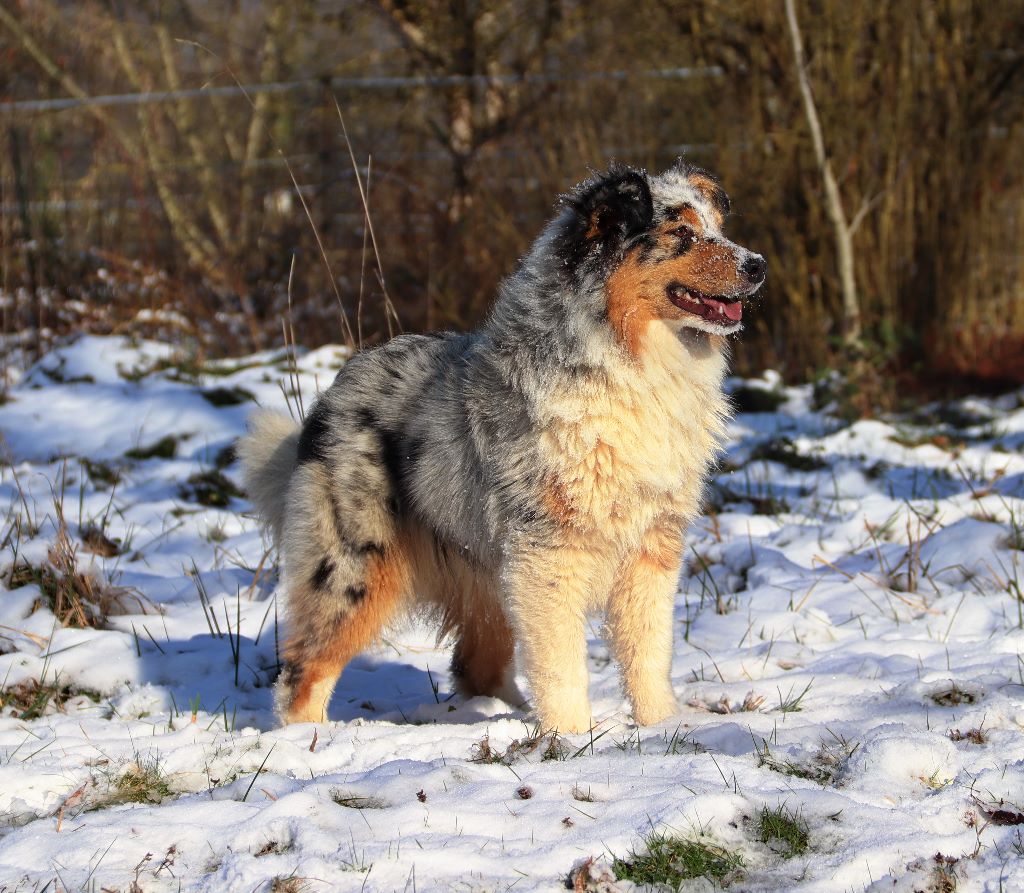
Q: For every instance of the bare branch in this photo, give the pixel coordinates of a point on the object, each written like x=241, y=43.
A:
x=186, y=125
x=866, y=207
x=410, y=33
x=256, y=135
x=833, y=198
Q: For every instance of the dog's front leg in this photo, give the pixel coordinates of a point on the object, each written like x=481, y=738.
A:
x=640, y=622
x=548, y=594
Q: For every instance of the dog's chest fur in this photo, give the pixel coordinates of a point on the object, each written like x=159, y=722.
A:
x=635, y=449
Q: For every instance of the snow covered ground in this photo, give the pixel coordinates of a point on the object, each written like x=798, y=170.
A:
x=849, y=648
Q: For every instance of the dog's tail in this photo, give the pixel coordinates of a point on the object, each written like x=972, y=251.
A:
x=269, y=455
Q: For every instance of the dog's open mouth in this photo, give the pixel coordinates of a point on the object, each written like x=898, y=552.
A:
x=720, y=310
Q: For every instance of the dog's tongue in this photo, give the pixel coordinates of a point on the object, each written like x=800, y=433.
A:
x=730, y=309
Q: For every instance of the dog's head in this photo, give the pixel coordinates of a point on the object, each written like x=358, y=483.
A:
x=656, y=244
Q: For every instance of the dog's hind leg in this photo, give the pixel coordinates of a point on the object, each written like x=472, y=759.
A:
x=330, y=626
x=467, y=600
x=343, y=588
x=483, y=660
x=640, y=622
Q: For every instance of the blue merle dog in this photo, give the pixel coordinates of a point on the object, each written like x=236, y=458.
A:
x=515, y=478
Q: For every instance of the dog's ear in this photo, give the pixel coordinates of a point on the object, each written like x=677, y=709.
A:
x=607, y=212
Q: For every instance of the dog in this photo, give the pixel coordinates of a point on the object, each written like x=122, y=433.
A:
x=514, y=478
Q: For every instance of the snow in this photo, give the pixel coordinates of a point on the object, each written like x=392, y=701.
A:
x=843, y=626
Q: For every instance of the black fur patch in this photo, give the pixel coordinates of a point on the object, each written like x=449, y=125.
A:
x=366, y=418
x=322, y=575
x=458, y=668
x=363, y=549
x=720, y=200
x=606, y=214
x=355, y=594
x=400, y=456
x=683, y=246
x=315, y=438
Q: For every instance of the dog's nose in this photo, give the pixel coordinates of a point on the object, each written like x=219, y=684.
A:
x=754, y=268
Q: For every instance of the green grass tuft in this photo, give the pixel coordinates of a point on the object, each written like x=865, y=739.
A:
x=790, y=703
x=668, y=861
x=141, y=783
x=824, y=768
x=785, y=829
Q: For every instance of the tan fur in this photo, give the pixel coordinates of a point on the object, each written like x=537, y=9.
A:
x=558, y=505
x=708, y=268
x=637, y=289
x=639, y=447
x=484, y=652
x=690, y=217
x=640, y=620
x=628, y=463
x=632, y=303
x=550, y=591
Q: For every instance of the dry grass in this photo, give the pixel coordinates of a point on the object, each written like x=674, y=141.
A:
x=35, y=698
x=210, y=488
x=973, y=736
x=357, y=801
x=953, y=696
x=77, y=598
x=548, y=745
x=287, y=884
x=81, y=598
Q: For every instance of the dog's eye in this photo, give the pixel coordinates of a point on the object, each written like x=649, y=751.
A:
x=685, y=233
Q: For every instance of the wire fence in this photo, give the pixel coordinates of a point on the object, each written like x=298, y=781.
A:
x=351, y=83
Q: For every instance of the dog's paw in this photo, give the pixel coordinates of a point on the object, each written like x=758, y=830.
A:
x=651, y=711
x=567, y=722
